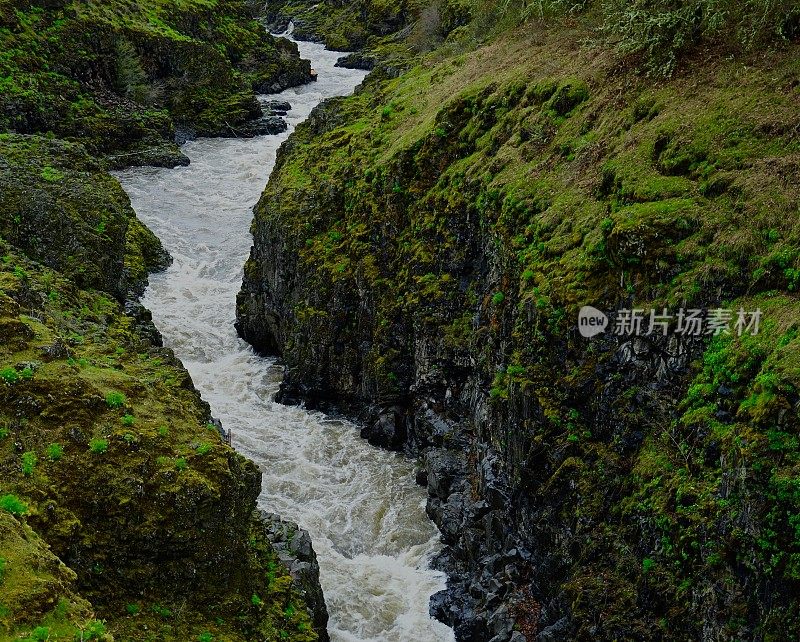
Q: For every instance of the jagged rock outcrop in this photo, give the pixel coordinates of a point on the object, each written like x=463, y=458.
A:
x=123, y=512
x=420, y=257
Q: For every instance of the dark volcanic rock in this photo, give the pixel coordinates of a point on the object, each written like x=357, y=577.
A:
x=277, y=107
x=264, y=126
x=295, y=550
x=357, y=60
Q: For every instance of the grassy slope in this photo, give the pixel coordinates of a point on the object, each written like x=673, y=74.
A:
x=118, y=76
x=151, y=512
x=105, y=440
x=585, y=184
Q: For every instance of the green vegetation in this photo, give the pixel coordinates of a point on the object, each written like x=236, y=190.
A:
x=13, y=504
x=511, y=176
x=89, y=365
x=195, y=63
x=98, y=446
x=29, y=461
x=116, y=400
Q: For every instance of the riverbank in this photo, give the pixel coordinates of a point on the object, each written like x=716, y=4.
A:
x=122, y=511
x=463, y=212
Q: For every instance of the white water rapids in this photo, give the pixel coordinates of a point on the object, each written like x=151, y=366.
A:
x=361, y=506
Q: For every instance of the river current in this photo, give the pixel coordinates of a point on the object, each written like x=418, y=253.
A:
x=364, y=512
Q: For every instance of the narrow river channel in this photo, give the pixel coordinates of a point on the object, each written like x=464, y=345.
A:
x=360, y=504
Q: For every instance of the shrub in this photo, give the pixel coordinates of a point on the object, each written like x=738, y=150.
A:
x=256, y=601
x=94, y=630
x=13, y=504
x=203, y=449
x=498, y=298
x=55, y=452
x=662, y=30
x=4, y=432
x=40, y=634
x=128, y=420
x=180, y=463
x=51, y=174
x=115, y=400
x=205, y=637
x=133, y=609
x=9, y=375
x=98, y=446
x=29, y=460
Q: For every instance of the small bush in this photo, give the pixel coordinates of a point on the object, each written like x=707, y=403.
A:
x=133, y=609
x=40, y=634
x=256, y=601
x=13, y=504
x=94, y=630
x=205, y=637
x=498, y=298
x=203, y=449
x=55, y=452
x=128, y=420
x=115, y=400
x=98, y=446
x=51, y=174
x=9, y=375
x=29, y=461
x=180, y=463
x=4, y=432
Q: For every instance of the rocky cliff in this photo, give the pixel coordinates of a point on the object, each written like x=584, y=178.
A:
x=420, y=257
x=123, y=514
x=121, y=77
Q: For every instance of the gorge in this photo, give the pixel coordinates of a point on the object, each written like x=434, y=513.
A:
x=387, y=423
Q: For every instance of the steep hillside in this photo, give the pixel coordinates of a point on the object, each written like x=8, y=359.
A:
x=421, y=255
x=119, y=77
x=123, y=513
x=109, y=455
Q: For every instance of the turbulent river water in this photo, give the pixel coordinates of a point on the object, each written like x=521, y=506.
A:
x=360, y=504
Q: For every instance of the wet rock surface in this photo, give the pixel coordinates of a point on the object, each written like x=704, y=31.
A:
x=295, y=550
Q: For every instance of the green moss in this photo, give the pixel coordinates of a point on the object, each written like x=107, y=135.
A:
x=541, y=178
x=29, y=461
x=98, y=446
x=115, y=400
x=12, y=504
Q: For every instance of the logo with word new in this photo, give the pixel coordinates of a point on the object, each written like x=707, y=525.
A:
x=591, y=321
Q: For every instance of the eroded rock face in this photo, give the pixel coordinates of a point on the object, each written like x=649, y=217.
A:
x=127, y=483
x=407, y=274
x=296, y=551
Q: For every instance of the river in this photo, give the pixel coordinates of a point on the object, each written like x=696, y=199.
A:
x=361, y=506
